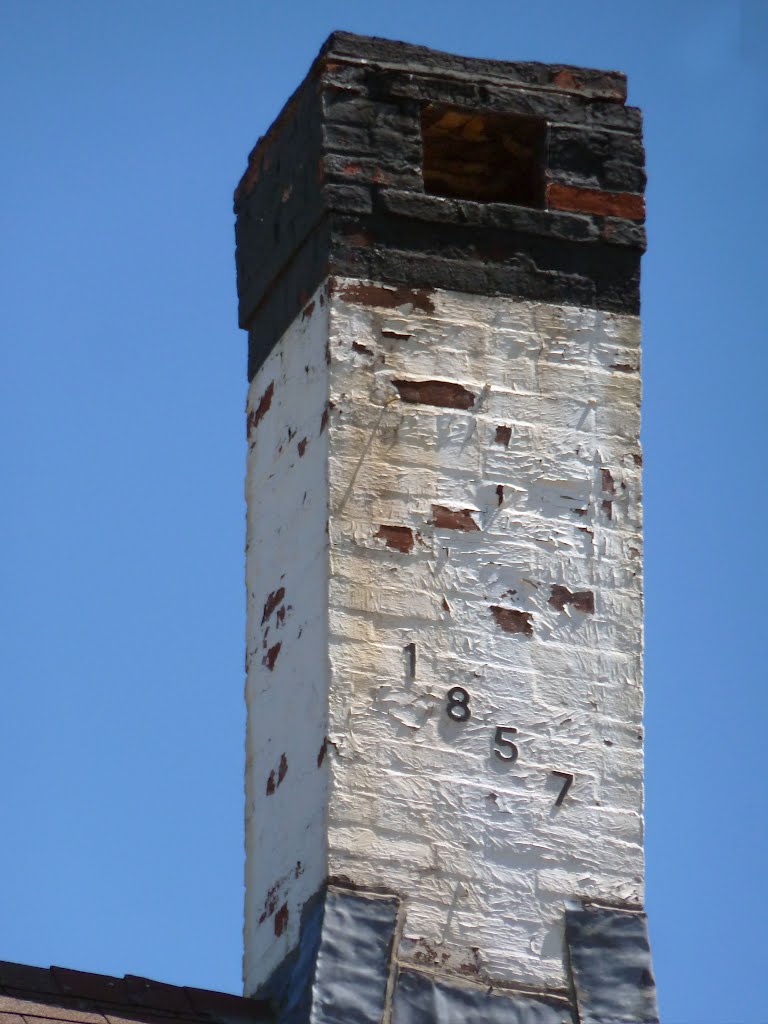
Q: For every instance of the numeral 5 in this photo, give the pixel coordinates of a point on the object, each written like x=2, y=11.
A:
x=506, y=744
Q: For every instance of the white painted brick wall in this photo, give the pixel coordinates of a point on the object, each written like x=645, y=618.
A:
x=420, y=805
x=287, y=600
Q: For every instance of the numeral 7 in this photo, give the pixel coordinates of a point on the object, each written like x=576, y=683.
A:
x=566, y=786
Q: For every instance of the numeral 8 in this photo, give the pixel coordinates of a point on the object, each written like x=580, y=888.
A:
x=457, y=707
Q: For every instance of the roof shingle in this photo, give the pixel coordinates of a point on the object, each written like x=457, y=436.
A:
x=58, y=995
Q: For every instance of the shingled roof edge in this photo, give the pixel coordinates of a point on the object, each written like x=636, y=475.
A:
x=130, y=996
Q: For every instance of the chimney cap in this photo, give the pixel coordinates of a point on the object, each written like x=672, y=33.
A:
x=399, y=164
x=360, y=49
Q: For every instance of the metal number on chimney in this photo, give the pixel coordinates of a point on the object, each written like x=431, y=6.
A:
x=504, y=747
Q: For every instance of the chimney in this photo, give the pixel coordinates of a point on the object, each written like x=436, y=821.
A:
x=438, y=264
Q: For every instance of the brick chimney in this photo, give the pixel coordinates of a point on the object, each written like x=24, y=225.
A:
x=438, y=263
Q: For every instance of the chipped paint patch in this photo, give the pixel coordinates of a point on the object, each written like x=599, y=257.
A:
x=443, y=393
x=287, y=573
x=582, y=600
x=512, y=620
x=257, y=415
x=270, y=657
x=453, y=519
x=398, y=537
x=386, y=297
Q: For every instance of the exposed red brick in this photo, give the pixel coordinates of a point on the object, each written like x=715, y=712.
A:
x=566, y=79
x=398, y=537
x=270, y=657
x=302, y=446
x=513, y=621
x=281, y=919
x=582, y=600
x=593, y=200
x=271, y=787
x=607, y=507
x=503, y=435
x=500, y=494
x=388, y=298
x=270, y=900
x=261, y=154
x=453, y=519
x=322, y=752
x=606, y=480
x=274, y=599
x=469, y=969
x=354, y=235
x=282, y=771
x=255, y=417
x=307, y=311
x=443, y=393
x=610, y=87
x=624, y=367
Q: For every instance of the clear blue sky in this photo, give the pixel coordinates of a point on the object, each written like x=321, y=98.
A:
x=125, y=127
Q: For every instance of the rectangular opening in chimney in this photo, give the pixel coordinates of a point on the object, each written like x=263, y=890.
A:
x=490, y=158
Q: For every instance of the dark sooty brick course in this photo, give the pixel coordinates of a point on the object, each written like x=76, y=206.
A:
x=337, y=184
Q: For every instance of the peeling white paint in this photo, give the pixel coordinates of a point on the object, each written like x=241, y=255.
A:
x=543, y=471
x=287, y=598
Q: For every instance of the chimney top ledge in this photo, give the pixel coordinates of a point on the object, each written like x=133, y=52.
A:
x=348, y=47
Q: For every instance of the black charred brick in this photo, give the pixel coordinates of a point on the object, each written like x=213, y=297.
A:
x=596, y=159
x=503, y=216
x=337, y=184
x=611, y=85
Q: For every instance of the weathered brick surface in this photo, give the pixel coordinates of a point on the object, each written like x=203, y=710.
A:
x=394, y=605
x=287, y=639
x=624, y=205
x=419, y=799
x=337, y=186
